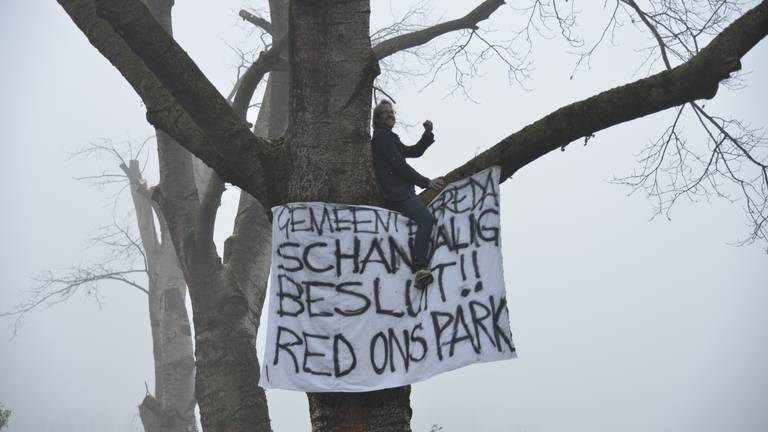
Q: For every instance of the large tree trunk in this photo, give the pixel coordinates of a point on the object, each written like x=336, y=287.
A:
x=332, y=71
x=172, y=408
x=332, y=67
x=273, y=114
x=226, y=297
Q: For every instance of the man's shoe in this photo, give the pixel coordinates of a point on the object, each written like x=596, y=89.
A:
x=423, y=278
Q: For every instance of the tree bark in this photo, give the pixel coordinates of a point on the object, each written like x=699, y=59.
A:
x=386, y=410
x=225, y=303
x=172, y=407
x=277, y=102
x=332, y=67
x=224, y=296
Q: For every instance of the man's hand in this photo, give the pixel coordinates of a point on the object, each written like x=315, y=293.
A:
x=428, y=126
x=437, y=184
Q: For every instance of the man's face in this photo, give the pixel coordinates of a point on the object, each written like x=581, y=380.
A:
x=388, y=116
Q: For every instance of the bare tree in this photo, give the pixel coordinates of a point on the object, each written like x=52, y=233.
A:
x=5, y=414
x=172, y=408
x=727, y=157
x=331, y=85
x=145, y=262
x=731, y=153
x=226, y=292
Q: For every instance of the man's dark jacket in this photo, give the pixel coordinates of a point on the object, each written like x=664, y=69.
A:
x=395, y=177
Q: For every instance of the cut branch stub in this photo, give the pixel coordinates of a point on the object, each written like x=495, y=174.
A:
x=256, y=20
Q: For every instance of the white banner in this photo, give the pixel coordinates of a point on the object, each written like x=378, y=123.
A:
x=344, y=315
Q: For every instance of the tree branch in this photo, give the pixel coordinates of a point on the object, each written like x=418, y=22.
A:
x=247, y=252
x=669, y=164
x=57, y=289
x=179, y=99
x=644, y=18
x=267, y=61
x=206, y=219
x=143, y=208
x=420, y=37
x=256, y=20
x=698, y=78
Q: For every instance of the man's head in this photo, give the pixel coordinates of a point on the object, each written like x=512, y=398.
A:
x=384, y=115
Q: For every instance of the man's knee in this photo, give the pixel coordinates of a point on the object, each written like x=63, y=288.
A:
x=419, y=213
x=427, y=220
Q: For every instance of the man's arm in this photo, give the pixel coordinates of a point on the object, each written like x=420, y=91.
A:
x=418, y=149
x=384, y=145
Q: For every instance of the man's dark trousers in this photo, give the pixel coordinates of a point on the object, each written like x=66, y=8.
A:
x=414, y=209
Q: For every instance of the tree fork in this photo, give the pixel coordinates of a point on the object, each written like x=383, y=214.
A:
x=178, y=97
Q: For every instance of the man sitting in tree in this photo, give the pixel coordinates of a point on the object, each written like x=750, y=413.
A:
x=396, y=180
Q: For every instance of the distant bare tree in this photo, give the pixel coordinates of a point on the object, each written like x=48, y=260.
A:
x=5, y=414
x=147, y=263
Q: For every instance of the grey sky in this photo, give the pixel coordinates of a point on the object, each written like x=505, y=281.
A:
x=620, y=322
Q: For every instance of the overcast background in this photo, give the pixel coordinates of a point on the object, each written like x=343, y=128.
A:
x=621, y=322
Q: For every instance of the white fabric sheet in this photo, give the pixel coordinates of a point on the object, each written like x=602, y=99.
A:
x=343, y=313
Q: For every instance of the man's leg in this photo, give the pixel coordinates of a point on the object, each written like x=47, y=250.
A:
x=416, y=210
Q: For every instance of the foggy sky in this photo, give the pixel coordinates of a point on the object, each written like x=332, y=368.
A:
x=620, y=322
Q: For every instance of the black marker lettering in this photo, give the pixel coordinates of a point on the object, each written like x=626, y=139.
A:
x=488, y=233
x=342, y=224
x=398, y=254
x=477, y=321
x=382, y=225
x=283, y=284
x=308, y=354
x=338, y=372
x=283, y=219
x=408, y=303
x=439, y=329
x=282, y=253
x=455, y=338
x=354, y=256
x=286, y=346
x=374, y=342
x=296, y=224
x=379, y=258
x=440, y=272
x=395, y=342
x=376, y=295
x=310, y=299
x=475, y=264
x=308, y=264
x=325, y=221
x=359, y=223
x=498, y=332
x=419, y=340
x=366, y=301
